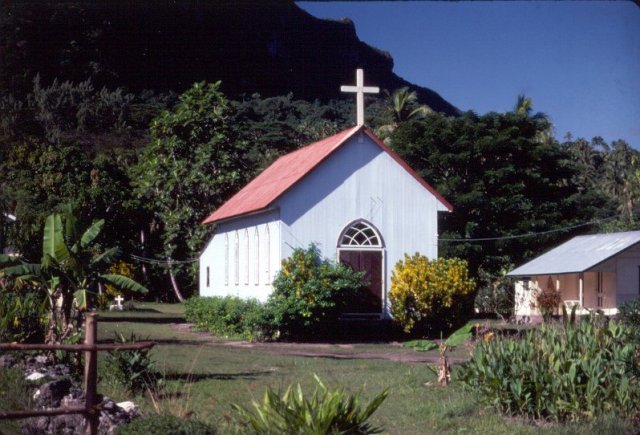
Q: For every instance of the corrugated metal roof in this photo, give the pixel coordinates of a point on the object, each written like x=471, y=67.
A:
x=579, y=254
x=289, y=169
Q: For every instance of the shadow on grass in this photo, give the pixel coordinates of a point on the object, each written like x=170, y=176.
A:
x=134, y=319
x=196, y=377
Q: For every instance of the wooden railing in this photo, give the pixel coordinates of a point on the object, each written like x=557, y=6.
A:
x=90, y=410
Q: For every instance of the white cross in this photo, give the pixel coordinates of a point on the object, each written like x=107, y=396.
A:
x=119, y=300
x=360, y=89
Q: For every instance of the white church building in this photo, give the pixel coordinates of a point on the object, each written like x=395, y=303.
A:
x=350, y=195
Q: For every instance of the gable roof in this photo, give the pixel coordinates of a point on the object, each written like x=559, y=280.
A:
x=579, y=254
x=289, y=169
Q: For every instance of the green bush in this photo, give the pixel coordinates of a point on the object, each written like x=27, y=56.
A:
x=629, y=313
x=133, y=370
x=224, y=316
x=14, y=396
x=326, y=412
x=564, y=374
x=308, y=293
x=166, y=424
x=430, y=296
x=22, y=316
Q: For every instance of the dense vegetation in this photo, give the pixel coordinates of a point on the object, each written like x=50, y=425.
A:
x=574, y=373
x=70, y=146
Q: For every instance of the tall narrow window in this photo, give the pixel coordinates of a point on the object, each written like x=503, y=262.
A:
x=267, y=256
x=226, y=259
x=256, y=258
x=600, y=290
x=236, y=259
x=208, y=275
x=246, y=257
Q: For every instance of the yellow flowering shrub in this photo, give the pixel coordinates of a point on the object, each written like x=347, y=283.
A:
x=430, y=295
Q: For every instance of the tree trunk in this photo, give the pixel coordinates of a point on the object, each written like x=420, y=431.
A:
x=174, y=283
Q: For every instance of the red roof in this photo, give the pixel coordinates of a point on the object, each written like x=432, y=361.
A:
x=285, y=172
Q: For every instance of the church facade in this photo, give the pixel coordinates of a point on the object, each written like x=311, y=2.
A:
x=349, y=195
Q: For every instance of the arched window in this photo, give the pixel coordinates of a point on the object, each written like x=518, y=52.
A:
x=226, y=259
x=267, y=256
x=246, y=257
x=256, y=258
x=360, y=233
x=236, y=259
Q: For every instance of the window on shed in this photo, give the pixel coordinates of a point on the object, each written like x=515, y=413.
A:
x=256, y=258
x=226, y=259
x=246, y=257
x=208, y=275
x=236, y=259
x=267, y=256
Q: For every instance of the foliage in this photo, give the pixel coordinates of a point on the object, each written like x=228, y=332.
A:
x=224, y=316
x=496, y=294
x=166, y=424
x=14, y=396
x=69, y=272
x=563, y=374
x=493, y=168
x=191, y=166
x=131, y=369
x=629, y=315
x=308, y=292
x=547, y=300
x=326, y=412
x=22, y=314
x=457, y=338
x=428, y=296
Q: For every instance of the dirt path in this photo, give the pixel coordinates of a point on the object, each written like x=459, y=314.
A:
x=324, y=350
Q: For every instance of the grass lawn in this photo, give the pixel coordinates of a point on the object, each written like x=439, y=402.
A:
x=223, y=375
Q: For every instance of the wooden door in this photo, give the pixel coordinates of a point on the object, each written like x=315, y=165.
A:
x=370, y=262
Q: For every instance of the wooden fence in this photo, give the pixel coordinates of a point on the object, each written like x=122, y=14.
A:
x=90, y=348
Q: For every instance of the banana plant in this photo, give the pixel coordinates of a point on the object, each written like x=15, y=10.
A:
x=70, y=270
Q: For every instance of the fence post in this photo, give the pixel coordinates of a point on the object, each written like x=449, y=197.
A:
x=91, y=374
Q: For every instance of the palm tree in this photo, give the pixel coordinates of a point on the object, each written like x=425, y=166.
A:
x=524, y=107
x=403, y=107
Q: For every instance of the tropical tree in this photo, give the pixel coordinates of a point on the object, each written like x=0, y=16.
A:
x=403, y=106
x=192, y=164
x=69, y=272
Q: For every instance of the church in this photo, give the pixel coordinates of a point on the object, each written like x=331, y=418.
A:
x=350, y=195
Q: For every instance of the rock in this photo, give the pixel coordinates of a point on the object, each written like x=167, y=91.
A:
x=35, y=376
x=52, y=392
x=42, y=359
x=7, y=361
x=128, y=406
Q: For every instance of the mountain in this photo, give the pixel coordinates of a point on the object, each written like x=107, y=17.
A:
x=268, y=47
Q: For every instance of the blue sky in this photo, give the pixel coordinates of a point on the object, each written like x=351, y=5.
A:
x=578, y=61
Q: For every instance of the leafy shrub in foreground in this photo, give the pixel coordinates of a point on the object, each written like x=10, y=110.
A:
x=224, y=316
x=629, y=314
x=326, y=412
x=166, y=424
x=131, y=369
x=563, y=374
x=307, y=292
x=22, y=316
x=430, y=296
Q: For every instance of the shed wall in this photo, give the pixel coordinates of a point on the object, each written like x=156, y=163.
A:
x=241, y=278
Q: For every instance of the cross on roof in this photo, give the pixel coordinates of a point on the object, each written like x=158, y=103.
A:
x=360, y=89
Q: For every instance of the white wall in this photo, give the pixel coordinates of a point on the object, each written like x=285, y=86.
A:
x=243, y=280
x=360, y=181
x=628, y=279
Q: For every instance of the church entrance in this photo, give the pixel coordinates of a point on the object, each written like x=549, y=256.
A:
x=361, y=248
